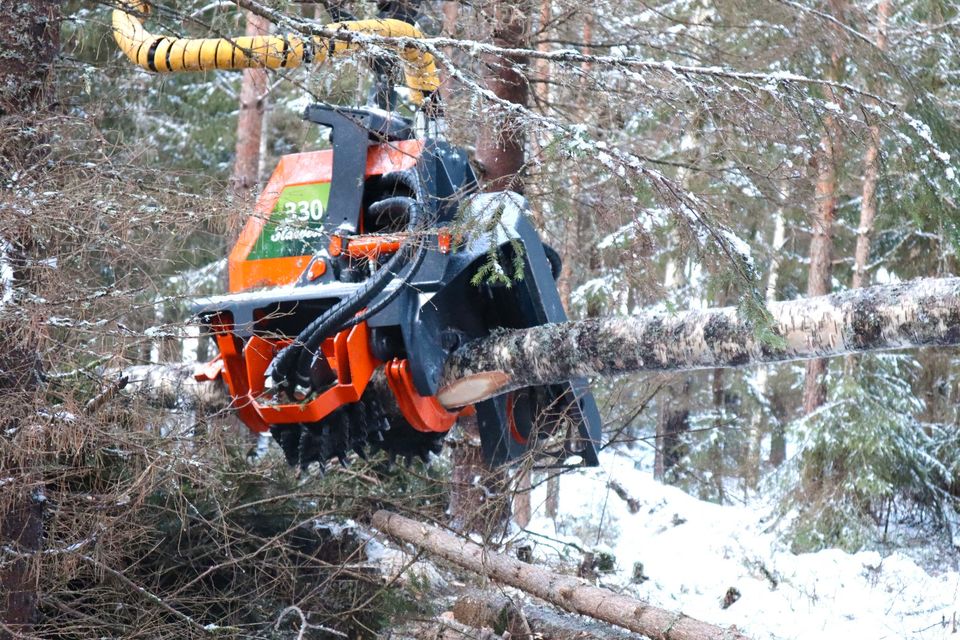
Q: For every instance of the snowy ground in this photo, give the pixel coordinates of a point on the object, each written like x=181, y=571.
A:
x=694, y=551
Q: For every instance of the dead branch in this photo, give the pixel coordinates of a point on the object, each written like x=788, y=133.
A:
x=566, y=592
x=633, y=505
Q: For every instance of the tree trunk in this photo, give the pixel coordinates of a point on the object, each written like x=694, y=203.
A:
x=912, y=314
x=673, y=420
x=759, y=423
x=579, y=216
x=253, y=91
x=566, y=592
x=500, y=147
x=868, y=202
x=493, y=610
x=819, y=277
x=522, y=508
x=921, y=313
x=21, y=529
x=30, y=41
x=552, y=506
x=476, y=500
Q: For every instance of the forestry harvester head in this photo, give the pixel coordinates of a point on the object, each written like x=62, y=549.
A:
x=366, y=265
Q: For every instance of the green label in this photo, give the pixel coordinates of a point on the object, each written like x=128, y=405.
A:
x=296, y=226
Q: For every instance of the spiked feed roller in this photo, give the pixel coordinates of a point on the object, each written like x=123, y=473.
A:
x=364, y=266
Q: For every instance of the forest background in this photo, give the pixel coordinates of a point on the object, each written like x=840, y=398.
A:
x=679, y=155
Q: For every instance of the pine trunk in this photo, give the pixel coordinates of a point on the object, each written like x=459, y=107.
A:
x=253, y=90
x=476, y=502
x=819, y=277
x=500, y=147
x=871, y=171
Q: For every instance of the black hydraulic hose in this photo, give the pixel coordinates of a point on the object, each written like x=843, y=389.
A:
x=328, y=323
x=387, y=206
x=382, y=303
x=339, y=316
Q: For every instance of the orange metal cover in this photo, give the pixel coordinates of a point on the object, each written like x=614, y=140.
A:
x=295, y=170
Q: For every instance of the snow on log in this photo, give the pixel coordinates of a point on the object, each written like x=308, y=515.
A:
x=567, y=592
x=921, y=313
x=913, y=314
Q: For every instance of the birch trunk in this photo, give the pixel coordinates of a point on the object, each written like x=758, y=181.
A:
x=913, y=314
x=566, y=592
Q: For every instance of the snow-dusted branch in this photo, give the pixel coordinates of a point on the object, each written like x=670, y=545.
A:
x=435, y=45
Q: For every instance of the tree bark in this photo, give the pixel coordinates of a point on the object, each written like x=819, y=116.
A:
x=912, y=314
x=921, y=313
x=868, y=201
x=673, y=419
x=522, y=508
x=566, y=592
x=21, y=529
x=253, y=90
x=819, y=277
x=30, y=42
x=500, y=147
x=29, y=45
x=529, y=621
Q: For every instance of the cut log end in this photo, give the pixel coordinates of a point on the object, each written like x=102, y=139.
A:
x=473, y=388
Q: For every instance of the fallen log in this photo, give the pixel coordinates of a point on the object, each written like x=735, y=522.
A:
x=566, y=592
x=445, y=627
x=493, y=610
x=920, y=313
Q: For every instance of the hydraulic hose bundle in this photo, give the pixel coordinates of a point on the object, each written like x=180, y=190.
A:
x=166, y=54
x=296, y=366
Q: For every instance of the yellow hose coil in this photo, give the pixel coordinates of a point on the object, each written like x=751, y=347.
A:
x=166, y=54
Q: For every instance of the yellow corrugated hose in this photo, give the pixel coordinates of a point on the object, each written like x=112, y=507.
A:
x=166, y=54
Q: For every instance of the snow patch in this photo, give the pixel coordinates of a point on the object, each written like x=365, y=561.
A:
x=692, y=552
